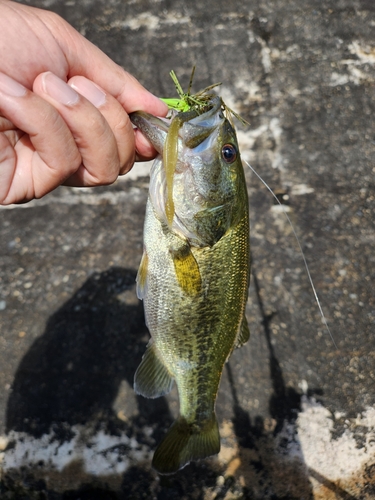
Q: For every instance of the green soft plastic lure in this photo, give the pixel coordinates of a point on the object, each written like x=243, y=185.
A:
x=199, y=102
x=188, y=101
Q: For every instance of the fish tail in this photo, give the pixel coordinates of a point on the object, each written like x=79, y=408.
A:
x=185, y=442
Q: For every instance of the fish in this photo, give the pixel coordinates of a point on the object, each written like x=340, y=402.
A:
x=194, y=273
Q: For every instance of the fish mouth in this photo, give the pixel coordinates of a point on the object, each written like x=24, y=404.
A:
x=195, y=128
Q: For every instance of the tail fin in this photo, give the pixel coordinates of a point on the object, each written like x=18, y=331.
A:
x=185, y=442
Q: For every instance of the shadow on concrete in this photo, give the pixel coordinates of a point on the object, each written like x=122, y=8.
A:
x=72, y=373
x=285, y=403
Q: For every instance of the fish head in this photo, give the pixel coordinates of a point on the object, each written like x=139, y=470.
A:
x=209, y=190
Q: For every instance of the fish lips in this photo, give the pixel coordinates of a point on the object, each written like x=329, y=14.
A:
x=195, y=128
x=153, y=128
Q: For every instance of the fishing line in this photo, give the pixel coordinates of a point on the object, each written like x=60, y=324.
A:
x=300, y=248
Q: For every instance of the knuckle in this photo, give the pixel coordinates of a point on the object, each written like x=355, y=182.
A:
x=127, y=166
x=123, y=123
x=107, y=176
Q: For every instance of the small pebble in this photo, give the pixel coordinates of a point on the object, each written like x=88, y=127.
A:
x=220, y=481
x=3, y=443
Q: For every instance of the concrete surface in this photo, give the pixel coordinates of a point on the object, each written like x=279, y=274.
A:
x=296, y=412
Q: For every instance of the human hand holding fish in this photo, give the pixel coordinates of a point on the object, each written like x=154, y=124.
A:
x=63, y=108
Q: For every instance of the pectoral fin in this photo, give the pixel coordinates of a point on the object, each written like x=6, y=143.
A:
x=187, y=270
x=243, y=334
x=152, y=379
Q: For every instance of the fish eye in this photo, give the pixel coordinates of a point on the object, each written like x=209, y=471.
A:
x=229, y=153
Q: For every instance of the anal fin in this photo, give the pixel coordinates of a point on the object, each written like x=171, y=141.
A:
x=152, y=379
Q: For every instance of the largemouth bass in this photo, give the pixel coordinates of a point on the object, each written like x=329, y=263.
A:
x=194, y=273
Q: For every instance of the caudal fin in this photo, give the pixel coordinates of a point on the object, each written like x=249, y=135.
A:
x=185, y=442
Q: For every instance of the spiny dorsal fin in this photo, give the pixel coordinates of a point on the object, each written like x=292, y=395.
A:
x=152, y=379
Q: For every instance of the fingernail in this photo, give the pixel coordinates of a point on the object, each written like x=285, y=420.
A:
x=89, y=90
x=58, y=89
x=11, y=87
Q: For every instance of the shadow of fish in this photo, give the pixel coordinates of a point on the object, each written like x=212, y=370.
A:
x=194, y=273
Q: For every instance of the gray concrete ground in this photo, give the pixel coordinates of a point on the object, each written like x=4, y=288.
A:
x=296, y=412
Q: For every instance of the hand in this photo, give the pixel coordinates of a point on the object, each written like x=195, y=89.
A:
x=63, y=108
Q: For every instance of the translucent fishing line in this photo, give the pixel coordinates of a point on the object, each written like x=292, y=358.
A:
x=300, y=248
